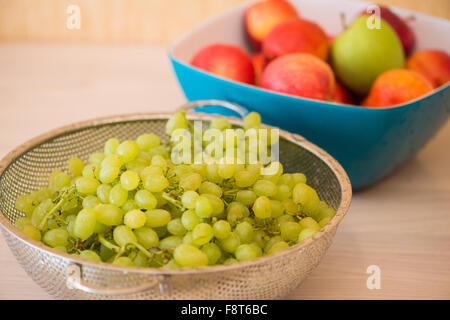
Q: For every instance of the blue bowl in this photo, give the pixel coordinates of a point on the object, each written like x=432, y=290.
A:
x=369, y=143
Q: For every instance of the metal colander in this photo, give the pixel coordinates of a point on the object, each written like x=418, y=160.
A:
x=66, y=277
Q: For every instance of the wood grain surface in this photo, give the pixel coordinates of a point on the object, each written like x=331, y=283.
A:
x=401, y=224
x=132, y=21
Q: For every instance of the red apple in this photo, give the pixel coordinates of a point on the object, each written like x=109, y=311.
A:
x=296, y=36
x=261, y=17
x=432, y=64
x=300, y=74
x=227, y=61
x=341, y=94
x=259, y=63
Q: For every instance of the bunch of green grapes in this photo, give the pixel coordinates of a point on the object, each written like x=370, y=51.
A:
x=130, y=205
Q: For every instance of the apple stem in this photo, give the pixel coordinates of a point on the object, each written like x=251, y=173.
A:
x=343, y=22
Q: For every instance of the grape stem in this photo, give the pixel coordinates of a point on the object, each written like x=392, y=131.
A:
x=56, y=207
x=173, y=201
x=106, y=243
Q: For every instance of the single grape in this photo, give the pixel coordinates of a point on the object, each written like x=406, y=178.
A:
x=230, y=243
x=212, y=173
x=90, y=255
x=230, y=261
x=123, y=262
x=76, y=166
x=118, y=195
x=129, y=205
x=298, y=178
x=145, y=200
x=158, y=160
x=103, y=192
x=147, y=237
x=25, y=204
x=170, y=242
x=151, y=170
x=187, y=255
x=245, y=232
x=148, y=141
x=91, y=171
x=213, y=252
x=244, y=179
x=56, y=237
x=85, y=223
x=22, y=221
x=285, y=218
x=309, y=223
x=90, y=202
x=216, y=204
x=305, y=234
x=58, y=180
x=245, y=252
x=100, y=228
x=155, y=183
x=189, y=219
x=265, y=188
x=128, y=150
x=283, y=192
x=307, y=197
x=203, y=207
x=220, y=124
x=111, y=146
x=235, y=212
x=191, y=181
x=108, y=214
x=278, y=246
x=172, y=264
x=324, y=221
x=157, y=218
x=87, y=185
x=176, y=227
x=290, y=230
x=32, y=232
x=129, y=180
x=226, y=170
x=61, y=249
x=135, y=219
x=202, y=234
x=252, y=120
x=262, y=207
x=286, y=179
x=177, y=121
x=96, y=158
x=210, y=188
x=277, y=208
x=189, y=198
x=222, y=229
x=290, y=207
x=123, y=235
x=246, y=197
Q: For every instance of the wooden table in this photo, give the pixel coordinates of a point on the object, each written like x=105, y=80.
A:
x=402, y=224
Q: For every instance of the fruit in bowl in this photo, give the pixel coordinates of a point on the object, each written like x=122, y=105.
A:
x=432, y=64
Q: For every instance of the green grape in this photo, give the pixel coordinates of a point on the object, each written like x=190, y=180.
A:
x=100, y=228
x=177, y=121
x=246, y=197
x=220, y=124
x=70, y=221
x=213, y=252
x=58, y=180
x=172, y=264
x=161, y=231
x=145, y=200
x=158, y=160
x=87, y=185
x=170, y=242
x=298, y=178
x=187, y=255
x=140, y=260
x=76, y=166
x=252, y=120
x=260, y=238
x=208, y=187
x=157, y=218
x=155, y=183
x=25, y=204
x=148, y=141
x=274, y=177
x=108, y=214
x=245, y=232
x=265, y=188
x=96, y=158
x=255, y=169
x=111, y=146
x=118, y=195
x=161, y=150
x=271, y=242
x=222, y=229
x=290, y=207
x=41, y=195
x=91, y=171
x=203, y=207
x=285, y=218
x=191, y=181
x=309, y=223
x=212, y=173
x=135, y=219
x=226, y=170
x=39, y=213
x=245, y=252
x=175, y=227
x=103, y=192
x=230, y=243
x=189, y=198
x=230, y=261
x=199, y=168
x=283, y=192
x=244, y=179
x=52, y=224
x=305, y=234
x=277, y=208
x=189, y=220
x=123, y=262
x=32, y=232
x=202, y=234
x=262, y=207
x=216, y=204
x=188, y=238
x=290, y=230
x=90, y=202
x=105, y=253
x=129, y=205
x=113, y=161
x=235, y=212
x=147, y=237
x=128, y=150
x=279, y=246
x=90, y=255
x=129, y=180
x=307, y=197
x=324, y=221
x=286, y=179
x=56, y=237
x=108, y=173
x=123, y=235
x=85, y=223
x=326, y=213
x=61, y=248
x=21, y=222
x=151, y=170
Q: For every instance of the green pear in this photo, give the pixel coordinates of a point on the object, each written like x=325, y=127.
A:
x=360, y=54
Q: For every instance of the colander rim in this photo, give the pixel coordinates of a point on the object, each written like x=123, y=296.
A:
x=336, y=168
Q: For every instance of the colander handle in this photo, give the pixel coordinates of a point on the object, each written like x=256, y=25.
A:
x=74, y=281
x=225, y=104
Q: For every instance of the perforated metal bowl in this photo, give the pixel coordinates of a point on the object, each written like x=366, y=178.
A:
x=63, y=276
